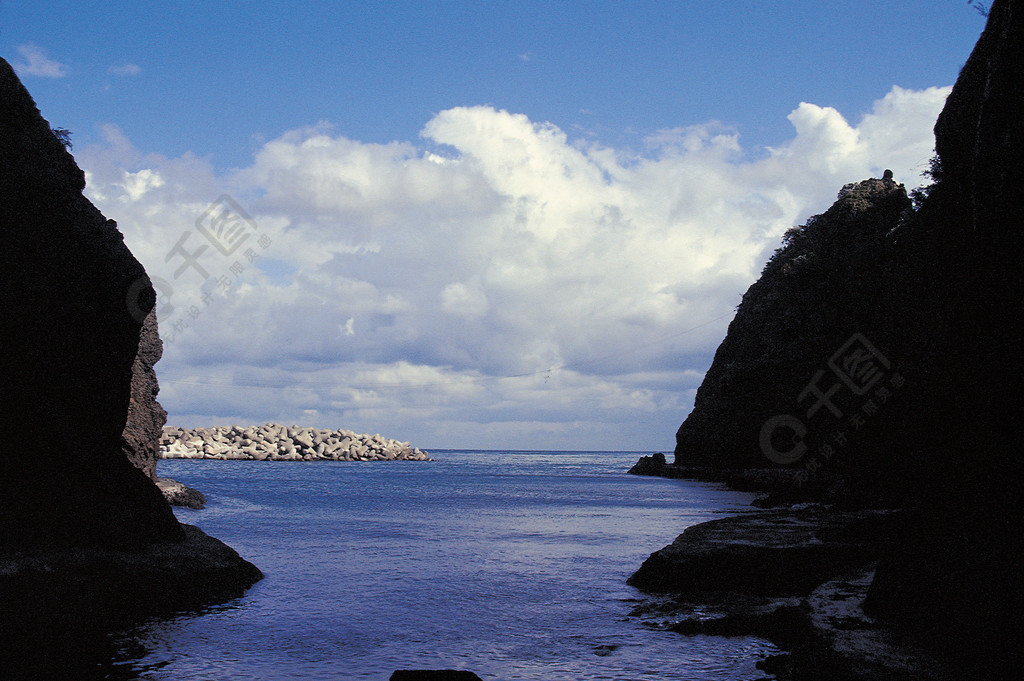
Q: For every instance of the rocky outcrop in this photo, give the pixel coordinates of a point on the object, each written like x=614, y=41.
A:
x=146, y=418
x=797, y=577
x=769, y=553
x=179, y=494
x=650, y=465
x=808, y=304
x=272, y=442
x=68, y=342
x=85, y=535
x=880, y=359
x=144, y=427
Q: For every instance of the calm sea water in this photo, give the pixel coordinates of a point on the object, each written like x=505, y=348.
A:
x=509, y=564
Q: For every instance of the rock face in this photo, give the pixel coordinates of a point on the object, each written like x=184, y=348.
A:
x=883, y=347
x=68, y=342
x=86, y=538
x=954, y=573
x=823, y=288
x=146, y=418
x=144, y=427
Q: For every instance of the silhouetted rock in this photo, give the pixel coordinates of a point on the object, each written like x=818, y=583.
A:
x=86, y=538
x=880, y=358
x=69, y=343
x=777, y=553
x=820, y=290
x=146, y=418
x=433, y=675
x=649, y=465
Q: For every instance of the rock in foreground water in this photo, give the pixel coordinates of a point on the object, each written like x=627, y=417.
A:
x=433, y=675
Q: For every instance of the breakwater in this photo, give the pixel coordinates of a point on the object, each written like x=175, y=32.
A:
x=273, y=442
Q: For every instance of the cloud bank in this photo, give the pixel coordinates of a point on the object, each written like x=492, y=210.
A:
x=494, y=284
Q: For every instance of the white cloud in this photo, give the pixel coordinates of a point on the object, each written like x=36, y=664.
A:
x=38, y=64
x=464, y=300
x=137, y=184
x=125, y=70
x=519, y=289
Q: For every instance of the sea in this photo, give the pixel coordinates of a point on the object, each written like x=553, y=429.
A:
x=509, y=564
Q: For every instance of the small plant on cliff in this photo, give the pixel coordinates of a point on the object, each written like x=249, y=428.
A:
x=979, y=6
x=63, y=135
x=934, y=172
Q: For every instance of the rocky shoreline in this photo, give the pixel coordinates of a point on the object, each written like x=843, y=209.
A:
x=273, y=442
x=796, y=576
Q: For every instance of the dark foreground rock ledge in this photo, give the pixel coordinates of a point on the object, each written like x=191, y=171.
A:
x=58, y=606
x=768, y=553
x=797, y=577
x=109, y=584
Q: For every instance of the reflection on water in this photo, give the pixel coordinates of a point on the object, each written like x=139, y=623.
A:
x=512, y=565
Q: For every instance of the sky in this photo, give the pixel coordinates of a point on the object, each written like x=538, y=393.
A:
x=494, y=225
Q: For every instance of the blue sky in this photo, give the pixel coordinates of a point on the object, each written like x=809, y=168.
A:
x=482, y=224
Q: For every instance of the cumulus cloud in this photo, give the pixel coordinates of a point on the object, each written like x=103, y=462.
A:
x=496, y=284
x=38, y=64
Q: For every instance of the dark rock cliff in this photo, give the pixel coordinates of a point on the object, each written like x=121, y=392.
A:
x=143, y=428
x=146, y=418
x=880, y=354
x=917, y=312
x=86, y=538
x=68, y=343
x=954, y=572
x=824, y=287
